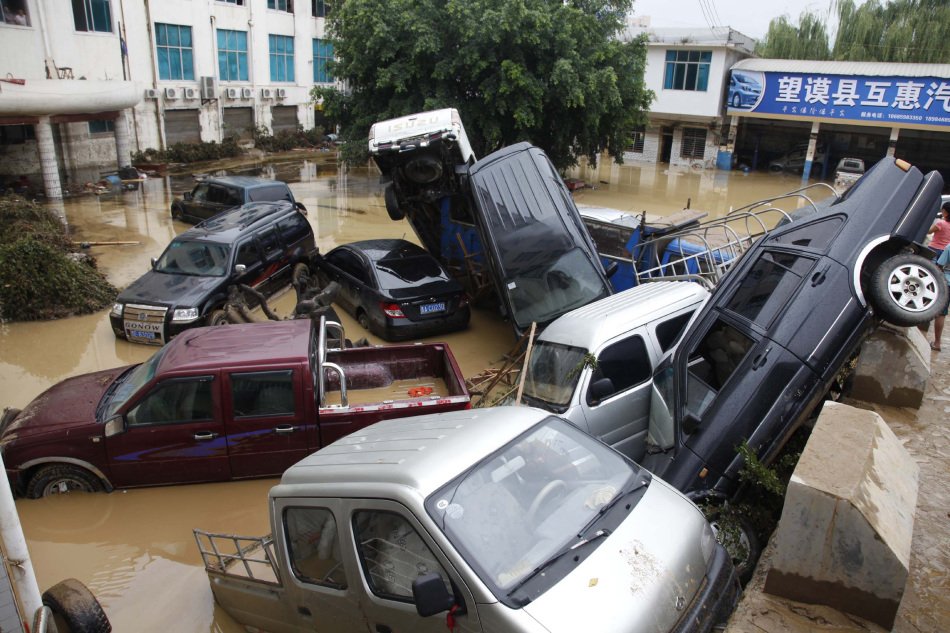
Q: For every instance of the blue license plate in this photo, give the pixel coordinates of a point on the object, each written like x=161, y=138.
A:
x=146, y=335
x=432, y=307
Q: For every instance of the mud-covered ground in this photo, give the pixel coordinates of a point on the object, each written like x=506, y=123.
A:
x=135, y=548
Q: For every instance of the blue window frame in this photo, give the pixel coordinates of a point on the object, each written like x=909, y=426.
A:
x=92, y=15
x=232, y=55
x=281, y=5
x=319, y=8
x=281, y=58
x=322, y=53
x=101, y=127
x=174, y=50
x=687, y=70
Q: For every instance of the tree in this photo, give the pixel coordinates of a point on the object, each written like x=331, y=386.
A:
x=808, y=40
x=551, y=72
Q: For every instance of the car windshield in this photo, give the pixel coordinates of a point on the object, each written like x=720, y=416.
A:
x=552, y=375
x=408, y=272
x=544, y=293
x=188, y=257
x=514, y=511
x=128, y=384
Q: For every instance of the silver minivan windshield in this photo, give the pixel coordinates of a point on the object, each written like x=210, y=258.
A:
x=552, y=375
x=516, y=509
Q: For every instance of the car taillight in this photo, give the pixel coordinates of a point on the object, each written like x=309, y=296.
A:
x=392, y=310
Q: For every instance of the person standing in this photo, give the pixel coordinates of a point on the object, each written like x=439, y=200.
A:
x=941, y=230
x=944, y=262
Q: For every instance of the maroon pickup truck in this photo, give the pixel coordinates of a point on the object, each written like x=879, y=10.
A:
x=220, y=403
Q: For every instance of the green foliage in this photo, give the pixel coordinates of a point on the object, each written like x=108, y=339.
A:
x=808, y=40
x=553, y=73
x=286, y=140
x=39, y=278
x=589, y=360
x=189, y=152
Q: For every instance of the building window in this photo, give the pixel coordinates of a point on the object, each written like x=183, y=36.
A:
x=694, y=143
x=239, y=3
x=636, y=140
x=16, y=12
x=101, y=127
x=175, y=55
x=687, y=70
x=319, y=8
x=281, y=58
x=232, y=55
x=16, y=134
x=281, y=5
x=322, y=53
x=92, y=15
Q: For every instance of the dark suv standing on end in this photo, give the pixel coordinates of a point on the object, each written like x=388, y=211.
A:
x=211, y=196
x=263, y=245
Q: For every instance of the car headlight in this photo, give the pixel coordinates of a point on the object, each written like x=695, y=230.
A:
x=117, y=309
x=707, y=542
x=185, y=314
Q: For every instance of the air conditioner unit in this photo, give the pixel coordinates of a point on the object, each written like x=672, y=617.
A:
x=191, y=93
x=151, y=93
x=267, y=93
x=281, y=93
x=247, y=93
x=172, y=93
x=208, y=88
x=231, y=93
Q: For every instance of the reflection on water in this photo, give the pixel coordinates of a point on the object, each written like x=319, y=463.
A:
x=135, y=549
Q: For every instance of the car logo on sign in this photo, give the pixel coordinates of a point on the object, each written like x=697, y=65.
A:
x=142, y=316
x=680, y=602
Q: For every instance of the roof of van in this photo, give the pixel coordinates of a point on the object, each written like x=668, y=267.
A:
x=245, y=182
x=420, y=452
x=590, y=326
x=228, y=225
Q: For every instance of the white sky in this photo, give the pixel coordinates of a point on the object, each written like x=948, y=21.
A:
x=750, y=17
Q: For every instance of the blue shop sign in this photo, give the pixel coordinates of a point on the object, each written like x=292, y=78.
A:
x=897, y=101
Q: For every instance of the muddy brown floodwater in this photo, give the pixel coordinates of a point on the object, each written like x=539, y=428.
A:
x=135, y=548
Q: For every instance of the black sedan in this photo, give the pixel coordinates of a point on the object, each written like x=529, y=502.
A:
x=395, y=289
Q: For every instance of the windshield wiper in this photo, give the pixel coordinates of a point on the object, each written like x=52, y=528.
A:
x=607, y=506
x=557, y=556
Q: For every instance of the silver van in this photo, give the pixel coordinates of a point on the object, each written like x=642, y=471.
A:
x=594, y=365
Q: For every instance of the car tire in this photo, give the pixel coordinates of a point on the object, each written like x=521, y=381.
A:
x=907, y=290
x=736, y=101
x=392, y=204
x=56, y=479
x=736, y=534
x=178, y=213
x=218, y=317
x=75, y=609
x=363, y=319
x=775, y=168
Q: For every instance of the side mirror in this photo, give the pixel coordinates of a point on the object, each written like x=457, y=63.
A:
x=239, y=269
x=690, y=424
x=430, y=595
x=601, y=389
x=154, y=261
x=299, y=206
x=114, y=426
x=611, y=268
x=187, y=196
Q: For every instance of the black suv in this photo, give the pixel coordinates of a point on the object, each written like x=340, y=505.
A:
x=763, y=352
x=262, y=244
x=211, y=196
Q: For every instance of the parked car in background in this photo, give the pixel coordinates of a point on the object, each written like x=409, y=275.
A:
x=395, y=289
x=263, y=245
x=508, y=520
x=765, y=349
x=214, y=195
x=794, y=160
x=848, y=172
x=217, y=404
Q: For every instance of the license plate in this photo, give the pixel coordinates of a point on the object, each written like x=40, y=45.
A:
x=432, y=307
x=149, y=336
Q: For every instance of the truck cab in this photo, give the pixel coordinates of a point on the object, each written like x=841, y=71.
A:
x=594, y=365
x=506, y=519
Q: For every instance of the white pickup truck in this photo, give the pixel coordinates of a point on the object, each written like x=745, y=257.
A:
x=503, y=520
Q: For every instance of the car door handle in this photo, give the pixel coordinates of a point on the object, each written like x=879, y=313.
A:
x=759, y=360
x=204, y=436
x=819, y=276
x=285, y=428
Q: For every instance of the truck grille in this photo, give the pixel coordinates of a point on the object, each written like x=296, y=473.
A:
x=144, y=323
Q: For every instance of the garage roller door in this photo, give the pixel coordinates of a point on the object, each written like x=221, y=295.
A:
x=239, y=122
x=182, y=126
x=284, y=118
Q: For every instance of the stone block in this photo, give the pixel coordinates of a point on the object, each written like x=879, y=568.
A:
x=893, y=368
x=845, y=534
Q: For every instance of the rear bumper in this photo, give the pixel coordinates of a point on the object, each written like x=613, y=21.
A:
x=404, y=329
x=716, y=600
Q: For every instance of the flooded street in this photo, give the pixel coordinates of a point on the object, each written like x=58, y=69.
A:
x=135, y=549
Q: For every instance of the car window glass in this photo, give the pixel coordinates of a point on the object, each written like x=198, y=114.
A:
x=409, y=272
x=314, y=546
x=200, y=193
x=235, y=198
x=174, y=402
x=269, y=244
x=218, y=194
x=248, y=254
x=193, y=258
x=711, y=362
x=349, y=263
x=816, y=235
x=270, y=193
x=669, y=331
x=392, y=554
x=293, y=228
x=553, y=372
x=626, y=363
x=263, y=393
x=768, y=286
x=610, y=239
